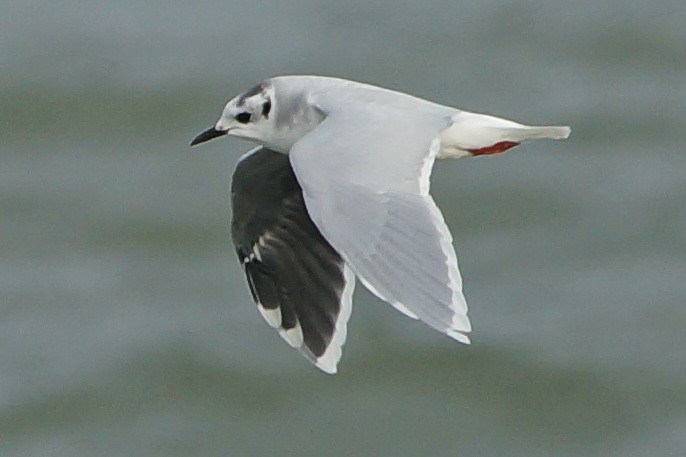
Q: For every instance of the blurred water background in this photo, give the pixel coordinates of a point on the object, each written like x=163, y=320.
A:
x=126, y=328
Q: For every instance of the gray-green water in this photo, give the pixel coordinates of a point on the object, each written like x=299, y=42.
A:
x=126, y=328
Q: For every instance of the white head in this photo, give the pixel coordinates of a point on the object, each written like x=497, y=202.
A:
x=275, y=113
x=249, y=115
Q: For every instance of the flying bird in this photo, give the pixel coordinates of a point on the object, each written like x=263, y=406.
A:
x=338, y=189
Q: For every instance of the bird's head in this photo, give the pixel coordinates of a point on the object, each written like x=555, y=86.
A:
x=248, y=115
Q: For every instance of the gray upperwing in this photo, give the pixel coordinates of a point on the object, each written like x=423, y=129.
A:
x=298, y=281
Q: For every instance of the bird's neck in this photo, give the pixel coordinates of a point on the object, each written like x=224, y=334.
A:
x=294, y=121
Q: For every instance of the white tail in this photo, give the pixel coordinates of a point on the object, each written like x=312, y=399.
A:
x=476, y=134
x=526, y=132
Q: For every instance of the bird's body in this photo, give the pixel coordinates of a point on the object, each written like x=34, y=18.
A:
x=361, y=158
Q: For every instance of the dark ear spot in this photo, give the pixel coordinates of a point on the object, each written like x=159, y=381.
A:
x=266, y=108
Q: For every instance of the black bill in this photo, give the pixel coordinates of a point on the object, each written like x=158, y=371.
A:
x=208, y=135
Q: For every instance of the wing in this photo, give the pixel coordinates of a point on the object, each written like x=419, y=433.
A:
x=365, y=178
x=300, y=284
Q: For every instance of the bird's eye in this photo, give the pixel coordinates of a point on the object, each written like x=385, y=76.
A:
x=243, y=117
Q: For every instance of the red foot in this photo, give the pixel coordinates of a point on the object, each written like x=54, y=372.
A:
x=496, y=148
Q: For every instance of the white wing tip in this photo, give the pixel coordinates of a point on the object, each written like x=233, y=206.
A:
x=293, y=336
x=328, y=362
x=327, y=366
x=272, y=316
x=459, y=324
x=403, y=309
x=456, y=335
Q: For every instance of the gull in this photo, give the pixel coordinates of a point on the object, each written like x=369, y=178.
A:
x=338, y=189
